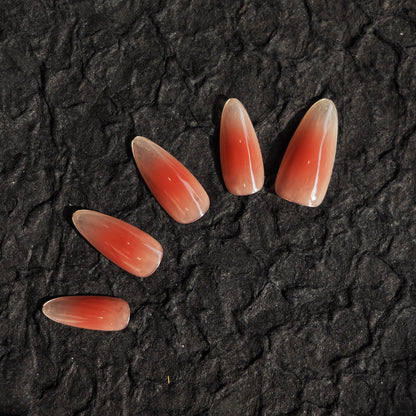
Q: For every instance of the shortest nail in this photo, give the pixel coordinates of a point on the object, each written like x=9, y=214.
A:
x=102, y=313
x=241, y=159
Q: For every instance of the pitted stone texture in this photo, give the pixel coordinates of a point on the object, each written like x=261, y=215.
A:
x=259, y=308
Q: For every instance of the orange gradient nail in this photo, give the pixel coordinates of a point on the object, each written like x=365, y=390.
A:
x=306, y=168
x=175, y=188
x=128, y=247
x=102, y=313
x=241, y=160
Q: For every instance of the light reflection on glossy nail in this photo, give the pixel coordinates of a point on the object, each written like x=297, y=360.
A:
x=307, y=164
x=125, y=245
x=241, y=159
x=102, y=313
x=174, y=187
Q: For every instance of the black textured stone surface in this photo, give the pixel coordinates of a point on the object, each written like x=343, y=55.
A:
x=260, y=308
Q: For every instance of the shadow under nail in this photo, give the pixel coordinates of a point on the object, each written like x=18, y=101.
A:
x=68, y=211
x=131, y=134
x=215, y=138
x=42, y=301
x=129, y=151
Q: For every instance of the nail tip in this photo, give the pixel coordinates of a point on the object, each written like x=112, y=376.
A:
x=238, y=191
x=326, y=105
x=233, y=102
x=136, y=140
x=79, y=214
x=76, y=213
x=191, y=219
x=194, y=219
x=153, y=270
x=75, y=216
x=128, y=314
x=137, y=144
x=45, y=309
x=134, y=145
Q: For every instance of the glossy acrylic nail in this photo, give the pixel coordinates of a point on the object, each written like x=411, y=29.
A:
x=307, y=164
x=241, y=160
x=102, y=313
x=125, y=245
x=175, y=188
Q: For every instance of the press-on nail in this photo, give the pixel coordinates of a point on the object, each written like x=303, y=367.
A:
x=241, y=160
x=102, y=313
x=306, y=168
x=175, y=188
x=125, y=245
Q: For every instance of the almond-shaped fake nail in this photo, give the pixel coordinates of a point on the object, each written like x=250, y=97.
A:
x=102, y=313
x=241, y=160
x=125, y=245
x=307, y=164
x=175, y=188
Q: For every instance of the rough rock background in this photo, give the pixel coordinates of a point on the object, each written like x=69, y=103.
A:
x=260, y=308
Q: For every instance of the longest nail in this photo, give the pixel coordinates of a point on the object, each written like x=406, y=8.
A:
x=128, y=247
x=307, y=164
x=102, y=313
x=175, y=188
x=241, y=160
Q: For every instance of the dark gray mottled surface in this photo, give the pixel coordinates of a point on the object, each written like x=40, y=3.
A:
x=260, y=308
